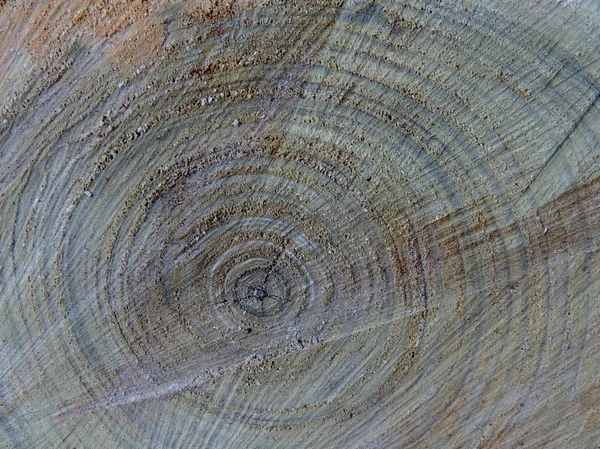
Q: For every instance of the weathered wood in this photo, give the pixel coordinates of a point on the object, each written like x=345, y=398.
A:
x=300, y=224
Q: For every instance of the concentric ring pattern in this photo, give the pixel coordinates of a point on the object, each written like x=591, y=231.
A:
x=300, y=224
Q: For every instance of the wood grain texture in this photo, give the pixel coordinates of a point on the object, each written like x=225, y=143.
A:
x=288, y=224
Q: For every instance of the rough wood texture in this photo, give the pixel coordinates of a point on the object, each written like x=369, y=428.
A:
x=287, y=224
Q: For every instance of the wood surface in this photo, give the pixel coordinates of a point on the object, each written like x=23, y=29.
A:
x=300, y=224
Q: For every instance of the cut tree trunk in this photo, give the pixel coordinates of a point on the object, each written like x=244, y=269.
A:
x=300, y=224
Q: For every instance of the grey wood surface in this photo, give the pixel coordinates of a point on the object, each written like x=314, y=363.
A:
x=300, y=224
